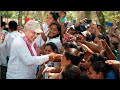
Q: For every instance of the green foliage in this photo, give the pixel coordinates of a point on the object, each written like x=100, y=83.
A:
x=6, y=13
x=112, y=16
x=71, y=15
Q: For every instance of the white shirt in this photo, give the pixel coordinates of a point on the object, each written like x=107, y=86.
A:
x=3, y=56
x=56, y=41
x=3, y=51
x=6, y=46
x=21, y=64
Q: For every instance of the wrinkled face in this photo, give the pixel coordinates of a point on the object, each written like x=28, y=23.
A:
x=48, y=50
x=49, y=19
x=53, y=31
x=92, y=74
x=31, y=35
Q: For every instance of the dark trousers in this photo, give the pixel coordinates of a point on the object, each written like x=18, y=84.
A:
x=3, y=72
x=0, y=71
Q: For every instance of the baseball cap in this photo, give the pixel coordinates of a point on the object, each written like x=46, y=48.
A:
x=33, y=25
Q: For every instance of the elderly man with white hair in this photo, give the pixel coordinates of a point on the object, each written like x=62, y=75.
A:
x=23, y=59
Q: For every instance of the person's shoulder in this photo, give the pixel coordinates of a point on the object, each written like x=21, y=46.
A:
x=15, y=34
x=56, y=40
x=6, y=32
x=18, y=38
x=7, y=35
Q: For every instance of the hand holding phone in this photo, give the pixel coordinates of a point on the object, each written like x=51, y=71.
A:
x=88, y=21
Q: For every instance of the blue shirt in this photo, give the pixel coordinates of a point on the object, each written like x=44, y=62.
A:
x=111, y=75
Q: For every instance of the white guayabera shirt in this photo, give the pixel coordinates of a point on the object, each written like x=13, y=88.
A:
x=6, y=46
x=21, y=64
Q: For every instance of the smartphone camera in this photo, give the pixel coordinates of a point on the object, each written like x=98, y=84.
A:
x=110, y=24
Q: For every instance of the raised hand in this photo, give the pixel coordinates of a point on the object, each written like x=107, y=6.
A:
x=48, y=69
x=55, y=57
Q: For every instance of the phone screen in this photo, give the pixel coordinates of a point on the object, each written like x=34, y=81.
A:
x=88, y=21
x=74, y=22
x=110, y=24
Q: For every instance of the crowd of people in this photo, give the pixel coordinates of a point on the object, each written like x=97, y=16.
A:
x=58, y=49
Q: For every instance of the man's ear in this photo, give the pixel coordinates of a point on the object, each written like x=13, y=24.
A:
x=68, y=62
x=100, y=74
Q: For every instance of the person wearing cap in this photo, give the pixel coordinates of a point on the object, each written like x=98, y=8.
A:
x=23, y=59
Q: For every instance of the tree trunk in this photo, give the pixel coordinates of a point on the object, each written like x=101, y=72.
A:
x=101, y=20
x=1, y=19
x=40, y=15
x=87, y=14
x=118, y=24
x=79, y=16
x=20, y=18
x=27, y=13
x=83, y=14
x=7, y=17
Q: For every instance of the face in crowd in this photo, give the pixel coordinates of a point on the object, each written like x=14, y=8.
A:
x=51, y=17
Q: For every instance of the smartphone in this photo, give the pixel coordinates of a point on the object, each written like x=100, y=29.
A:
x=110, y=24
x=74, y=22
x=65, y=24
x=88, y=21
